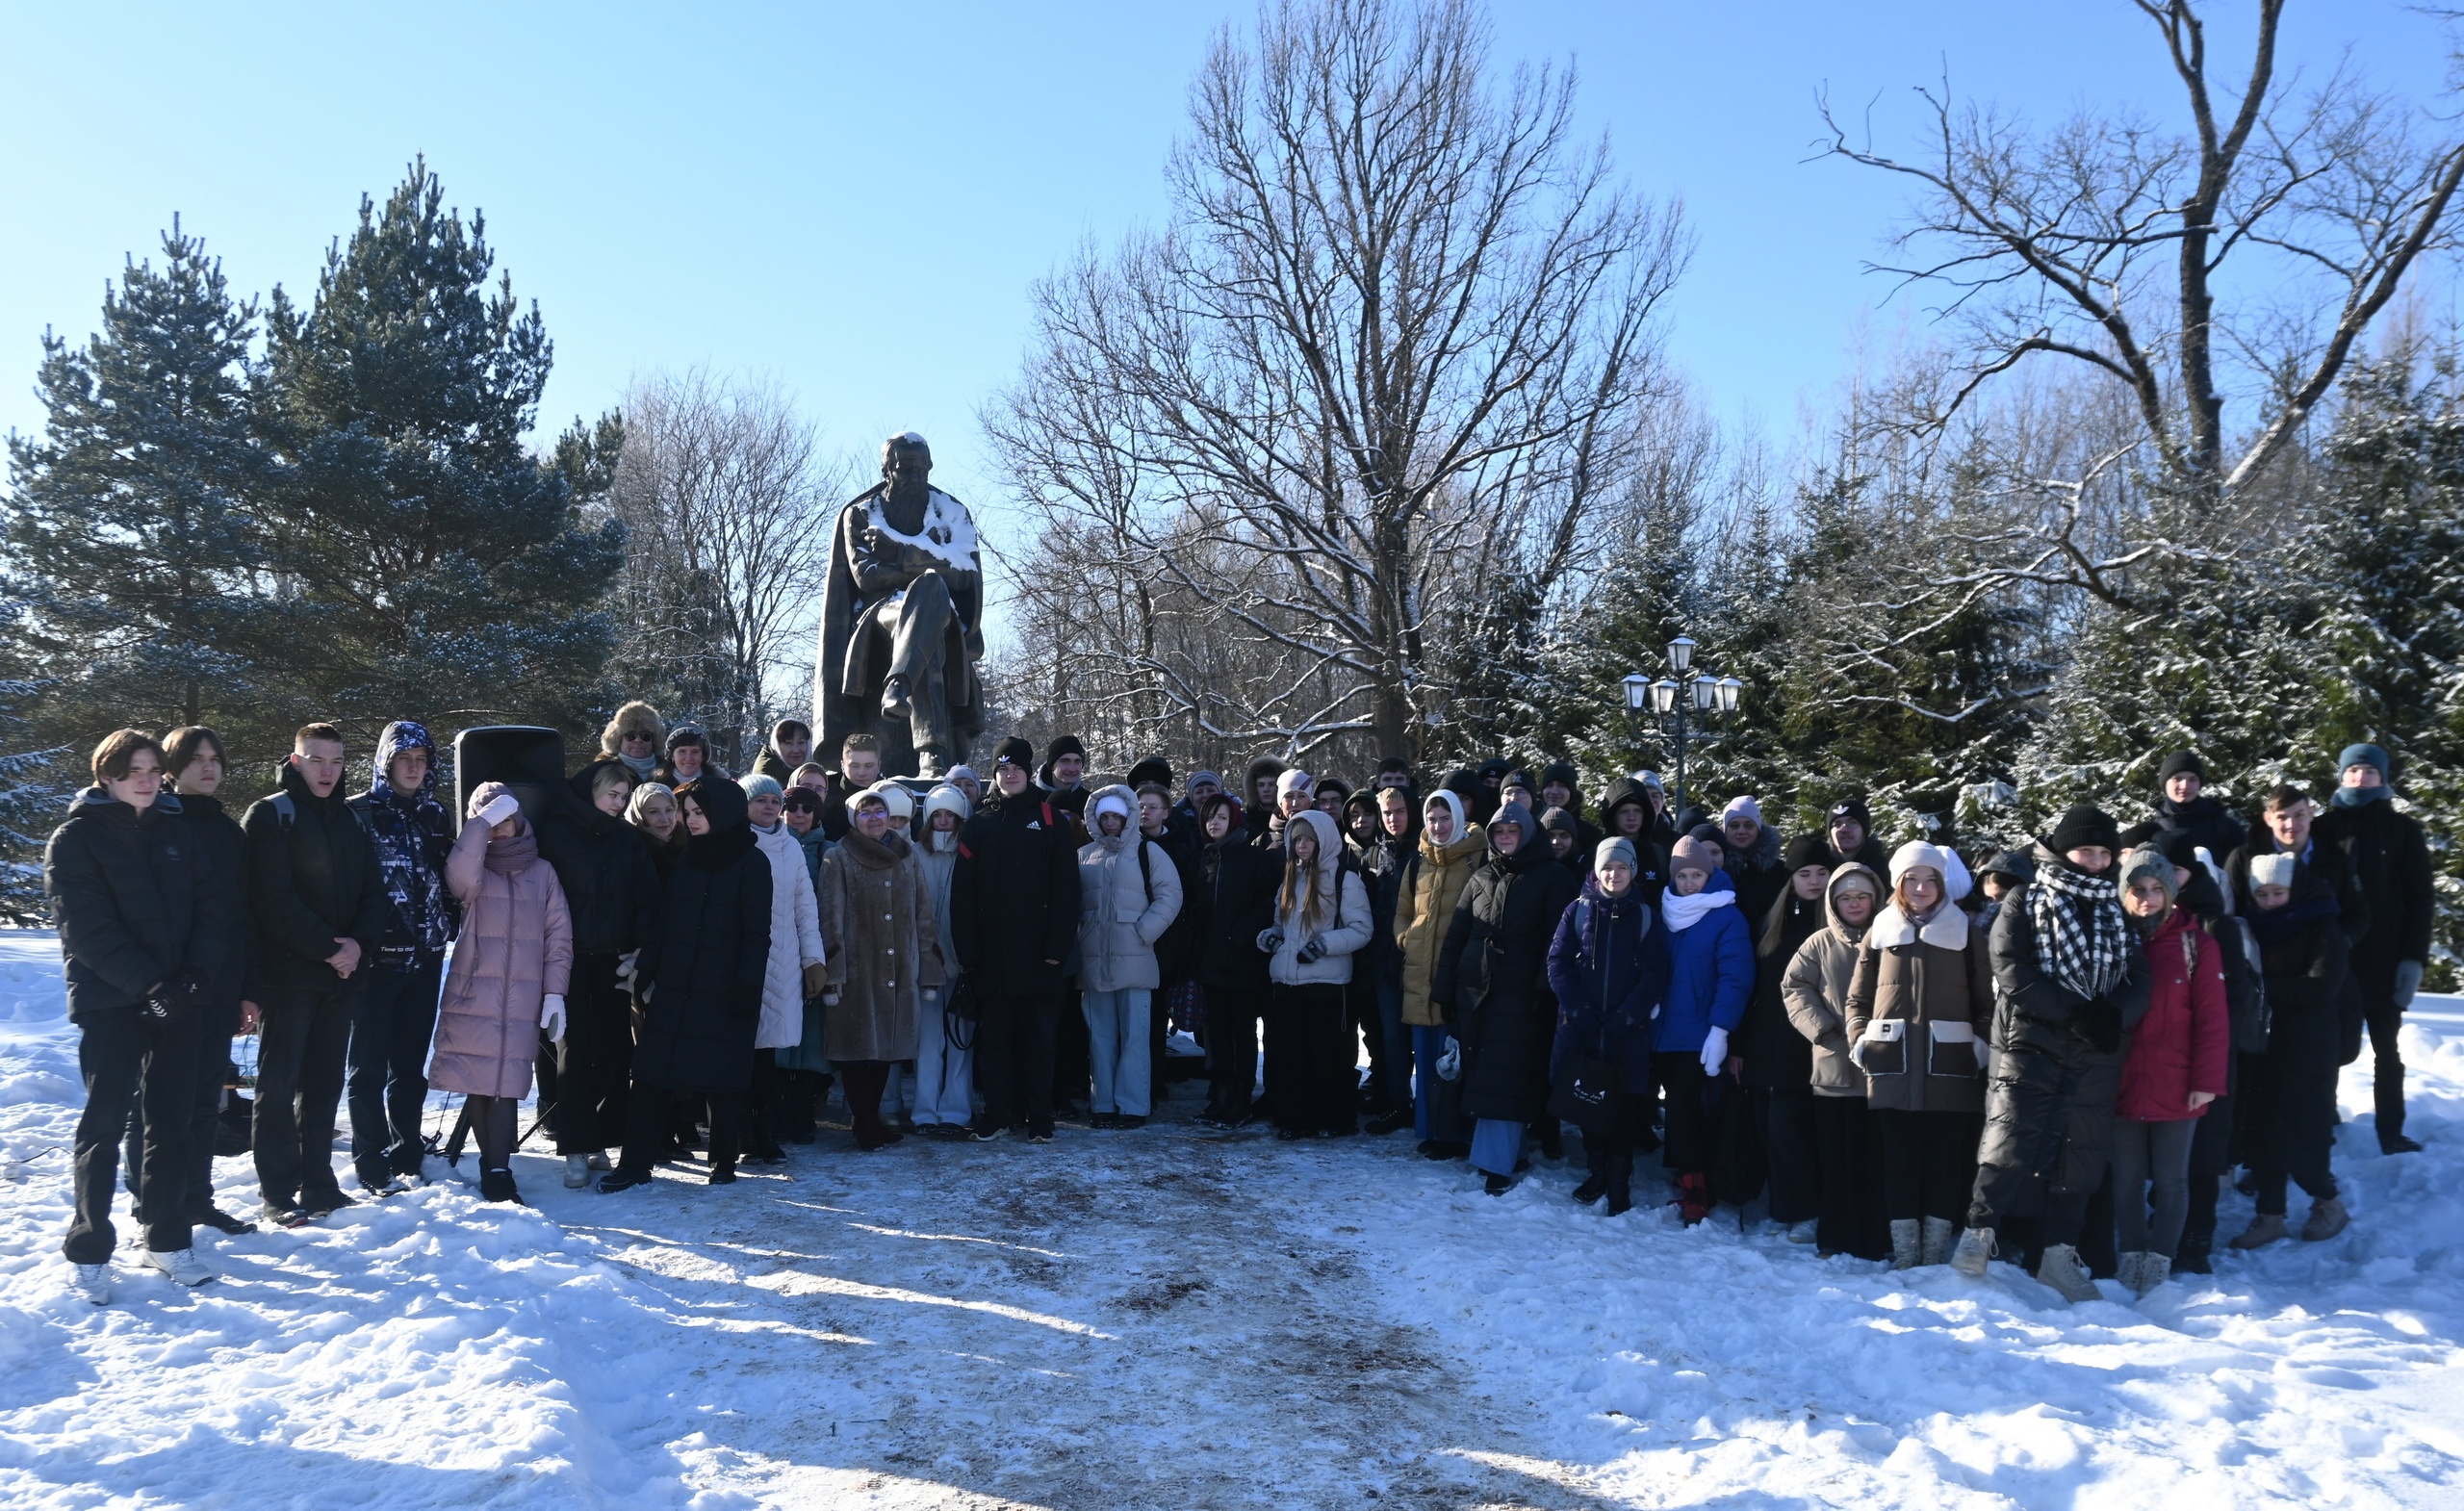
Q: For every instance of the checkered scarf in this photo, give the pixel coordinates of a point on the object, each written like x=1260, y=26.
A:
x=2082, y=933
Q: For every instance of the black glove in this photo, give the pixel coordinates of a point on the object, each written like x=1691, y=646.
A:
x=2100, y=1023
x=1313, y=950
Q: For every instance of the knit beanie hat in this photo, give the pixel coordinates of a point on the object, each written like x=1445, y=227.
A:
x=2367, y=755
x=1291, y=782
x=1804, y=851
x=1852, y=809
x=1741, y=807
x=2149, y=861
x=1691, y=854
x=1559, y=821
x=895, y=797
x=1916, y=853
x=1559, y=773
x=958, y=774
x=759, y=785
x=1014, y=751
x=2082, y=827
x=2177, y=764
x=1208, y=777
x=1619, y=849
x=1065, y=745
x=2273, y=870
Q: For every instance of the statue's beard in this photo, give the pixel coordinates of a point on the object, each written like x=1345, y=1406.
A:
x=908, y=496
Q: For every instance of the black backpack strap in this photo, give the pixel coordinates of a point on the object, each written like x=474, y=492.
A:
x=1146, y=870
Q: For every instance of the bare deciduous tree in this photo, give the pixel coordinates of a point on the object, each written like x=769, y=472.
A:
x=1390, y=353
x=2104, y=241
x=728, y=505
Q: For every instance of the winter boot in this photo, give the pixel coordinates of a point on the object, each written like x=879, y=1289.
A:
x=1975, y=1248
x=2328, y=1218
x=2142, y=1271
x=622, y=1179
x=576, y=1171
x=498, y=1185
x=2061, y=1270
x=2193, y=1259
x=1498, y=1184
x=1805, y=1231
x=1907, y=1242
x=1693, y=1197
x=94, y=1282
x=180, y=1264
x=1620, y=1182
x=2264, y=1229
x=1940, y=1233
x=1594, y=1187
x=1395, y=1121
x=222, y=1221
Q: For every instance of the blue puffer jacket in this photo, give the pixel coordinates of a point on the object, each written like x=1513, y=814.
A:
x=1608, y=968
x=1711, y=969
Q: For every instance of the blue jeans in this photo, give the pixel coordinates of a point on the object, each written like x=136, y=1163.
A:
x=1117, y=1045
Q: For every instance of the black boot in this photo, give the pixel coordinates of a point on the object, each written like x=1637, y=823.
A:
x=1620, y=1181
x=1594, y=1187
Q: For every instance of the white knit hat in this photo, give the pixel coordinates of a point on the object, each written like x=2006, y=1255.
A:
x=2275, y=870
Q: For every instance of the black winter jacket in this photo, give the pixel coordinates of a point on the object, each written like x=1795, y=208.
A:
x=2390, y=861
x=1492, y=980
x=1777, y=1056
x=226, y=852
x=2202, y=817
x=139, y=907
x=1232, y=903
x=704, y=966
x=1014, y=896
x=311, y=882
x=2038, y=1013
x=611, y=883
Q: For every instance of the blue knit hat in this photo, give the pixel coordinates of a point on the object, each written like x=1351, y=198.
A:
x=2366, y=755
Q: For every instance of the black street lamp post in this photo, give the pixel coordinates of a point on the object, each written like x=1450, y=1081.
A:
x=1700, y=693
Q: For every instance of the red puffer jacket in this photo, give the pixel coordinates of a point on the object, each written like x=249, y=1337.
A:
x=2182, y=1046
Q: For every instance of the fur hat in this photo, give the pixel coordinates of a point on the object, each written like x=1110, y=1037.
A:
x=1151, y=768
x=635, y=715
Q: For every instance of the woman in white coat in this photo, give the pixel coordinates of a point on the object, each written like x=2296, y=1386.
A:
x=945, y=1045
x=795, y=968
x=1129, y=892
x=1321, y=919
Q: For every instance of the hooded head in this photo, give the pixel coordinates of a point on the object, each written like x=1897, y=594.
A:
x=1114, y=799
x=730, y=835
x=1850, y=878
x=895, y=797
x=1234, y=833
x=2013, y=864
x=404, y=734
x=1452, y=802
x=1514, y=815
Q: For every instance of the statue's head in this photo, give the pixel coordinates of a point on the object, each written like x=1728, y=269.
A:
x=906, y=460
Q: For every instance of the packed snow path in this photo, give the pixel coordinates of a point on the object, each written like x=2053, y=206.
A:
x=1160, y=1318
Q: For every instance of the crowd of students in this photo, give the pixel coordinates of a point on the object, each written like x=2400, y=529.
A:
x=2059, y=1053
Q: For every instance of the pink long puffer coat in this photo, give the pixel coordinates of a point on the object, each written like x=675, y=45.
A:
x=516, y=946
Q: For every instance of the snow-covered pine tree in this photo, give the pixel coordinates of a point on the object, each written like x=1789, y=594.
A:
x=432, y=566
x=130, y=543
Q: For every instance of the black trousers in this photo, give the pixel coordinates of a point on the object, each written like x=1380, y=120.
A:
x=1848, y=1145
x=210, y=1070
x=1364, y=1024
x=124, y=1057
x=1789, y=1143
x=1073, y=1061
x=390, y=1028
x=596, y=1061
x=1611, y=1155
x=2386, y=1021
x=2211, y=1156
x=1014, y=1049
x=2292, y=1120
x=648, y=1110
x=1929, y=1164
x=495, y=1122
x=1231, y=1052
x=1685, y=1127
x=300, y=1052
x=1311, y=1057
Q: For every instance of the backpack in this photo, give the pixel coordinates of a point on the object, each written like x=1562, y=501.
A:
x=2252, y=1021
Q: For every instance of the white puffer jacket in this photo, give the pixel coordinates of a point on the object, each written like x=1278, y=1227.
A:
x=795, y=941
x=1342, y=928
x=1118, y=921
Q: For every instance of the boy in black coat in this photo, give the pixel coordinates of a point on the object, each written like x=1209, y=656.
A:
x=1013, y=917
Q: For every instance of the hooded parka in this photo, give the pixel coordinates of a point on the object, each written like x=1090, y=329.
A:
x=1935, y=978
x=1815, y=985
x=705, y=968
x=1123, y=907
x=1492, y=976
x=1342, y=924
x=516, y=947
x=1432, y=883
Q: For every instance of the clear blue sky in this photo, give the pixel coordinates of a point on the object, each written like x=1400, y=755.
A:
x=855, y=198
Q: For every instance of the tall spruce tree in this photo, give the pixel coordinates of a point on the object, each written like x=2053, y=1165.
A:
x=130, y=543
x=430, y=565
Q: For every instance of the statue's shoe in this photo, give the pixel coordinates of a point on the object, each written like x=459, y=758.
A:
x=894, y=703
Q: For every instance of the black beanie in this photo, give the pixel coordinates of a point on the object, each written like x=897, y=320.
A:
x=1804, y=851
x=1559, y=773
x=1152, y=768
x=2178, y=845
x=2082, y=827
x=1852, y=809
x=2178, y=763
x=1015, y=752
x=1395, y=764
x=1063, y=745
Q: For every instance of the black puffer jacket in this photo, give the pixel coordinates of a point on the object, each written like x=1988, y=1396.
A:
x=1014, y=896
x=2203, y=818
x=1493, y=980
x=226, y=852
x=311, y=881
x=2038, y=1013
x=138, y=905
x=1232, y=902
x=611, y=884
x=2390, y=861
x=704, y=969
x=1777, y=1056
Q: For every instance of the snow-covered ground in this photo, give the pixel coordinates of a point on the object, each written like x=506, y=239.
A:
x=1162, y=1318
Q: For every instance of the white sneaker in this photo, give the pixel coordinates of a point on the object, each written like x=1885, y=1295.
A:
x=576, y=1171
x=1802, y=1232
x=94, y=1283
x=180, y=1264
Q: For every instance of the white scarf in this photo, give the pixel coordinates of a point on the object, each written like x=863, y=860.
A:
x=1685, y=912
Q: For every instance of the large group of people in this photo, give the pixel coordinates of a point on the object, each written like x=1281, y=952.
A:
x=2058, y=1052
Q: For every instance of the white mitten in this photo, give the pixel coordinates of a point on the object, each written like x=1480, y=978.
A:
x=503, y=806
x=1715, y=1050
x=551, y=1017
